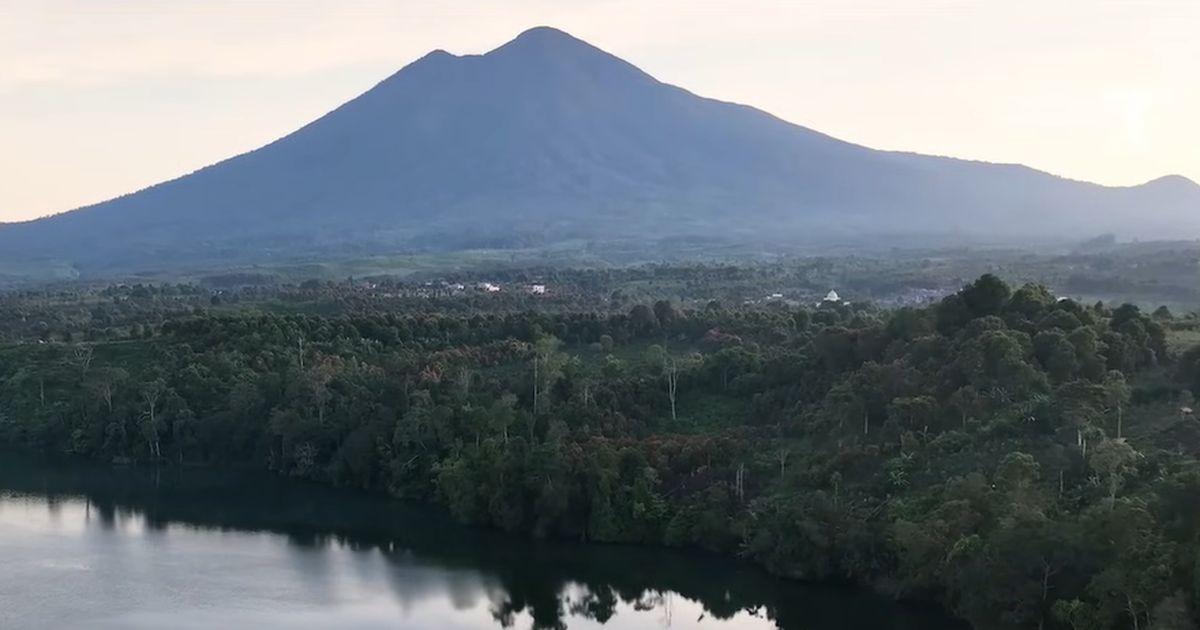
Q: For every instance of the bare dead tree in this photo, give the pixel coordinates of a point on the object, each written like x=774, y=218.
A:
x=81, y=357
x=739, y=484
x=319, y=379
x=103, y=384
x=105, y=390
x=151, y=394
x=464, y=380
x=671, y=368
x=535, y=384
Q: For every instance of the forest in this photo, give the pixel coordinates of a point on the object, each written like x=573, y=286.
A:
x=1024, y=460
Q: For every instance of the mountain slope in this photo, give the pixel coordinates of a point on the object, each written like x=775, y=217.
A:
x=547, y=139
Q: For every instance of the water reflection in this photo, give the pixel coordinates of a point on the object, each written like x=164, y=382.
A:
x=137, y=548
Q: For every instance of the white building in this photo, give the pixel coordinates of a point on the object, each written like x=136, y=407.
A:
x=488, y=287
x=832, y=296
x=537, y=289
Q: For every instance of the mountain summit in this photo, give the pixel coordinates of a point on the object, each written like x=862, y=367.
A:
x=548, y=139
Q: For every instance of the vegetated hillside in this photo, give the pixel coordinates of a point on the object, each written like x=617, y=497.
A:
x=1021, y=459
x=548, y=140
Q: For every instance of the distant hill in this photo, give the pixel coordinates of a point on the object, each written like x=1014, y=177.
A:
x=548, y=140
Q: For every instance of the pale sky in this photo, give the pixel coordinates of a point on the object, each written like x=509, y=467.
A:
x=103, y=97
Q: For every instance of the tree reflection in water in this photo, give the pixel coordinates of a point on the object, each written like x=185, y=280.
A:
x=549, y=583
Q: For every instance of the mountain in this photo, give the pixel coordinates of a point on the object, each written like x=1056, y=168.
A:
x=548, y=139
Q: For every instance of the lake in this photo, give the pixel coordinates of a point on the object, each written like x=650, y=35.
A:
x=93, y=546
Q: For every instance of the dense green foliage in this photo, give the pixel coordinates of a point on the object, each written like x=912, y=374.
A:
x=1026, y=461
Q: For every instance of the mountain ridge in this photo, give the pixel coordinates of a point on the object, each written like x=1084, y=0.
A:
x=546, y=139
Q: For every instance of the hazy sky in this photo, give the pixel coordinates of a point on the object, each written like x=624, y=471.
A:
x=102, y=97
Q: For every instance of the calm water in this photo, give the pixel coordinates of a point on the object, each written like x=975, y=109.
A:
x=96, y=547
